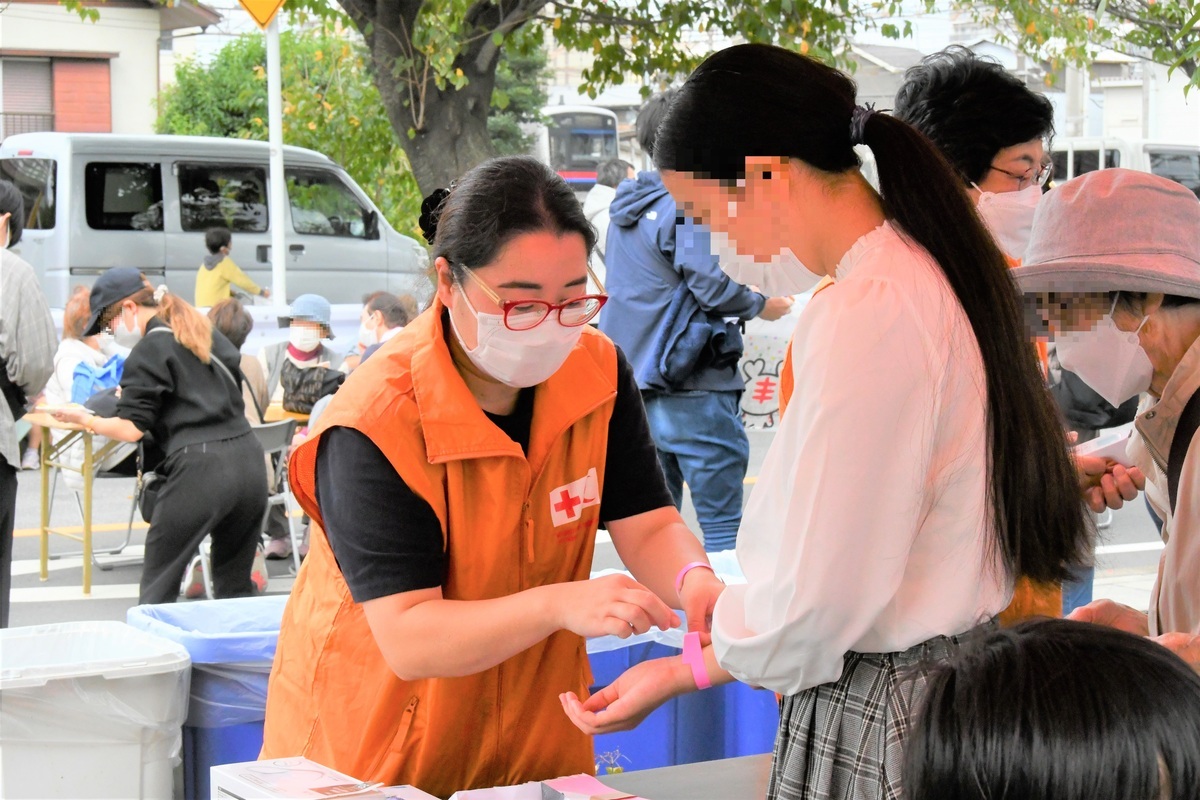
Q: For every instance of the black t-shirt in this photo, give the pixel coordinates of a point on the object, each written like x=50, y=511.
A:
x=387, y=540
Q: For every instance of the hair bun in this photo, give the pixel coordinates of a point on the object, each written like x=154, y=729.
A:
x=431, y=209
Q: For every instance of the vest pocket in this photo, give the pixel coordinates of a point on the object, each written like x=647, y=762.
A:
x=387, y=767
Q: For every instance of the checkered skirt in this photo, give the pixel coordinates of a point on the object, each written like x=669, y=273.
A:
x=845, y=740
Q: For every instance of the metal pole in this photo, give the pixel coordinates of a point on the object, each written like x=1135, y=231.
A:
x=278, y=193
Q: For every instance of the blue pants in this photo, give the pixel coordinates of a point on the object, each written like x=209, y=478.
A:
x=1077, y=592
x=701, y=441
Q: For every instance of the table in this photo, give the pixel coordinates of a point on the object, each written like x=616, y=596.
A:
x=276, y=413
x=52, y=457
x=744, y=778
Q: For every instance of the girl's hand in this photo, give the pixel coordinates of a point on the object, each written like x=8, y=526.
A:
x=615, y=605
x=629, y=699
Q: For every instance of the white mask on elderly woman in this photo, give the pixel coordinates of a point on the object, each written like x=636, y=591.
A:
x=304, y=339
x=1108, y=359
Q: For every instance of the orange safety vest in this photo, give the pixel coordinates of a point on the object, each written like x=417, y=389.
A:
x=509, y=522
x=1029, y=599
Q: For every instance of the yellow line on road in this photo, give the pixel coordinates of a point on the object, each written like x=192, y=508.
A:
x=96, y=528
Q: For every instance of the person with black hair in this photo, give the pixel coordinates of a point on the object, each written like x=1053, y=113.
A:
x=218, y=272
x=27, y=344
x=920, y=468
x=455, y=485
x=993, y=129
x=1087, y=713
x=609, y=175
x=670, y=304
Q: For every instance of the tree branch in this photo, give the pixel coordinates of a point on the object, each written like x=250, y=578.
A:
x=613, y=20
x=521, y=13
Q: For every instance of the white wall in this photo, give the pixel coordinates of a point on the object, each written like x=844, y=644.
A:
x=131, y=32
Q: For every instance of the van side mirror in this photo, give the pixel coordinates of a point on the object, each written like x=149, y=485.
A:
x=370, y=225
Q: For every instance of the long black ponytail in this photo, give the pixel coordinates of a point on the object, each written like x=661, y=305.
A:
x=759, y=100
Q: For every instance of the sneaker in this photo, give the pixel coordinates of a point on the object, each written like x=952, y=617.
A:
x=30, y=460
x=278, y=549
x=258, y=572
x=194, y=587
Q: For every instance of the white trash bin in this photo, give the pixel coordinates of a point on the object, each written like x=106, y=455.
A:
x=90, y=710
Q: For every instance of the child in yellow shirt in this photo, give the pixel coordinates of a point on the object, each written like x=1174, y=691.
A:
x=218, y=271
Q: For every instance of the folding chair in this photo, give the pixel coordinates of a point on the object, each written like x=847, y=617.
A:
x=276, y=440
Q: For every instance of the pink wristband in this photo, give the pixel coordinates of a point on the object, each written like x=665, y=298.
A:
x=688, y=568
x=693, y=656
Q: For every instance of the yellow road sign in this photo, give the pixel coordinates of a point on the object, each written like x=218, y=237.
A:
x=263, y=11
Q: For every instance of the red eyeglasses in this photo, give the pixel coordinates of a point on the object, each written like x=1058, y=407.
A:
x=523, y=315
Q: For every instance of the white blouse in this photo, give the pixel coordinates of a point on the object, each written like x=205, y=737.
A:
x=868, y=528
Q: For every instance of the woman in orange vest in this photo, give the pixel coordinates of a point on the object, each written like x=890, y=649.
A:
x=455, y=485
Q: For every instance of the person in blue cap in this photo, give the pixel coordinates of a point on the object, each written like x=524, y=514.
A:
x=308, y=323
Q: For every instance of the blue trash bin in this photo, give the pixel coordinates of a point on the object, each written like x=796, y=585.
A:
x=232, y=644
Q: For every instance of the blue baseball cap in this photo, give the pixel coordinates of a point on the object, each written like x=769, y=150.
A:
x=310, y=308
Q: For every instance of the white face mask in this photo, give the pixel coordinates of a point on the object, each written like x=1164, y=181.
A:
x=104, y=340
x=783, y=275
x=1108, y=359
x=125, y=336
x=306, y=340
x=367, y=335
x=1009, y=217
x=519, y=359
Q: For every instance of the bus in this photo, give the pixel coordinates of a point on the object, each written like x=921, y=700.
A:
x=574, y=140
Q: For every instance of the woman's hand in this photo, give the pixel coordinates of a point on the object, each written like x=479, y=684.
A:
x=1113, y=615
x=615, y=605
x=1106, y=484
x=627, y=701
x=701, y=588
x=73, y=416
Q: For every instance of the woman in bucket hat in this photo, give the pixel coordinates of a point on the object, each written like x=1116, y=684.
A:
x=1114, y=264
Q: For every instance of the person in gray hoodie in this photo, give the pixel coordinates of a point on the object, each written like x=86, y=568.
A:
x=696, y=422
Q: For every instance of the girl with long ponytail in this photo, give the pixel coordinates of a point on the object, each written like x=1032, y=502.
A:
x=181, y=389
x=920, y=469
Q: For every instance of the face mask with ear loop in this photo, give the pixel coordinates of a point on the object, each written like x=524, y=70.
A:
x=1108, y=359
x=1009, y=217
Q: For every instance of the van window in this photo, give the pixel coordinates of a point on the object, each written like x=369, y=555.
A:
x=222, y=196
x=35, y=179
x=1181, y=167
x=1085, y=161
x=123, y=197
x=323, y=205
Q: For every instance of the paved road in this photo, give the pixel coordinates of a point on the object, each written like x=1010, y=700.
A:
x=1126, y=560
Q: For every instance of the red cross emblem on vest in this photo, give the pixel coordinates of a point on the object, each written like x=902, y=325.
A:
x=568, y=502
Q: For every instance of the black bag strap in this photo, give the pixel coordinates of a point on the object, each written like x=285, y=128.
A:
x=1185, y=431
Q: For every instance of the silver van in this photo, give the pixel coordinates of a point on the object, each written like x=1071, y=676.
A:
x=94, y=201
x=1074, y=156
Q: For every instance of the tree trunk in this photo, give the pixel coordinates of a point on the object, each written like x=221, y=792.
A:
x=448, y=126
